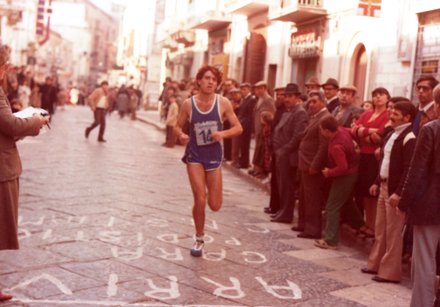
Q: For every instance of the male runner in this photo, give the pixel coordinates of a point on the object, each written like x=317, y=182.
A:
x=204, y=154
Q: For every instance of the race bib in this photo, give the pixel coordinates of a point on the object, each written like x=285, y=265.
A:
x=203, y=132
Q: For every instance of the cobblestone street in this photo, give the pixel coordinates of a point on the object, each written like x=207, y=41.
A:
x=109, y=224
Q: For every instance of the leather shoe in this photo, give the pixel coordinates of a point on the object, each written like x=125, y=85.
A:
x=380, y=279
x=297, y=228
x=277, y=220
x=102, y=140
x=269, y=210
x=5, y=297
x=86, y=133
x=368, y=271
x=307, y=236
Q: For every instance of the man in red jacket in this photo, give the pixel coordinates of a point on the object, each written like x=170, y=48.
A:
x=342, y=168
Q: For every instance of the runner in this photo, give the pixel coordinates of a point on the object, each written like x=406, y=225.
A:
x=204, y=153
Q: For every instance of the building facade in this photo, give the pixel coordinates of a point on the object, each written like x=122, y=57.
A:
x=367, y=43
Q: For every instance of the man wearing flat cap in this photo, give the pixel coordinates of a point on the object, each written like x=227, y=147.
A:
x=346, y=112
x=264, y=103
x=330, y=88
x=245, y=114
x=312, y=84
x=287, y=136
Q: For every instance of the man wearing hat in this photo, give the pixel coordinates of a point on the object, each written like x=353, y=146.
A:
x=287, y=136
x=245, y=114
x=312, y=84
x=346, y=112
x=313, y=151
x=264, y=103
x=330, y=88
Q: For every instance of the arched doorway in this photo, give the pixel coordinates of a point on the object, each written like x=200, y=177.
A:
x=360, y=69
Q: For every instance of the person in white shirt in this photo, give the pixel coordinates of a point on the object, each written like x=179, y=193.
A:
x=385, y=259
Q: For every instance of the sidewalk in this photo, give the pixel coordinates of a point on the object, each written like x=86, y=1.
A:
x=347, y=237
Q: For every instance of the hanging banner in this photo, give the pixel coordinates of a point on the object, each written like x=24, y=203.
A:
x=369, y=8
x=42, y=26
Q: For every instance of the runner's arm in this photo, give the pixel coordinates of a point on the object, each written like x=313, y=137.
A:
x=229, y=114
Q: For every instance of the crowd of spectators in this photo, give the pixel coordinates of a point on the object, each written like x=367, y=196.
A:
x=340, y=161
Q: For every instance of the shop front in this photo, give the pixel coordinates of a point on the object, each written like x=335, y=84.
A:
x=306, y=51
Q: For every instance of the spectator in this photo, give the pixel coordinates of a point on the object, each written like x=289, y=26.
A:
x=264, y=103
x=331, y=87
x=286, y=139
x=385, y=259
x=419, y=199
x=171, y=122
x=11, y=128
x=342, y=169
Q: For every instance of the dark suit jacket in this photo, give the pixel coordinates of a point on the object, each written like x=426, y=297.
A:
x=12, y=128
x=428, y=116
x=400, y=159
x=421, y=190
x=289, y=132
x=313, y=147
x=350, y=113
x=332, y=105
x=245, y=113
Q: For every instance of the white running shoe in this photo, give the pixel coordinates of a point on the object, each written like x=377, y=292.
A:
x=197, y=249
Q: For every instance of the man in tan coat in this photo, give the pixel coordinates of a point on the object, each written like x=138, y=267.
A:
x=98, y=102
x=11, y=129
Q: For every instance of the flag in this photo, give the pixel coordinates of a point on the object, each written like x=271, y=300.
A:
x=369, y=8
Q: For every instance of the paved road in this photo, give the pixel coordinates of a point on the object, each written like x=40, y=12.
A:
x=110, y=225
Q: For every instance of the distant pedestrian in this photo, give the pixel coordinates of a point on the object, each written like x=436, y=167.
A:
x=48, y=96
x=122, y=101
x=98, y=102
x=11, y=128
x=203, y=155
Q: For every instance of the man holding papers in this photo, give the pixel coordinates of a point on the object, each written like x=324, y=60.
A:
x=11, y=129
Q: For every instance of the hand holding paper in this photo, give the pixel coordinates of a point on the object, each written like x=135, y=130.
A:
x=31, y=111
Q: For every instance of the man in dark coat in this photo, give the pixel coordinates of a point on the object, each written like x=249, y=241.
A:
x=48, y=95
x=312, y=159
x=245, y=114
x=274, y=203
x=420, y=200
x=330, y=88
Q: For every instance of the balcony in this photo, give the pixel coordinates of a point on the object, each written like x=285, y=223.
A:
x=181, y=34
x=169, y=43
x=211, y=20
x=247, y=7
x=297, y=11
x=186, y=37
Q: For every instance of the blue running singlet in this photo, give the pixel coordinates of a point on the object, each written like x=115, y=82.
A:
x=201, y=148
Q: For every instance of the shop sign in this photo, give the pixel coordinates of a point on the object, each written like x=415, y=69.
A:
x=306, y=43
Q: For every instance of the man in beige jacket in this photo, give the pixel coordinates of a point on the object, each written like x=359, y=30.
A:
x=98, y=102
